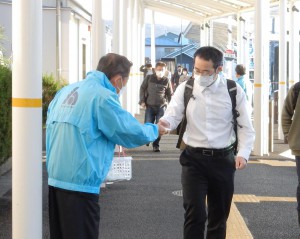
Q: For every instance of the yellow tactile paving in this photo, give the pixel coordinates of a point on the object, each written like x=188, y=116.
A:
x=276, y=163
x=248, y=198
x=236, y=226
x=245, y=198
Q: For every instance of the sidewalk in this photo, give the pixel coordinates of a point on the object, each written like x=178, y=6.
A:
x=150, y=205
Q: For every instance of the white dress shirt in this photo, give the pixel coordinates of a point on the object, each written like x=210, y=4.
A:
x=209, y=117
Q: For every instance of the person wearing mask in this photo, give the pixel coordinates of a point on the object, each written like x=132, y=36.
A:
x=290, y=122
x=176, y=76
x=208, y=161
x=84, y=123
x=155, y=93
x=184, y=77
x=147, y=69
x=240, y=71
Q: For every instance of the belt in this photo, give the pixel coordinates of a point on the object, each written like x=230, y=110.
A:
x=210, y=152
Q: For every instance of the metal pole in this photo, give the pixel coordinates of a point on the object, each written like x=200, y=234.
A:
x=282, y=62
x=58, y=40
x=27, y=119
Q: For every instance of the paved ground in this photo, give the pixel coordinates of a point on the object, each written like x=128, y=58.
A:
x=150, y=205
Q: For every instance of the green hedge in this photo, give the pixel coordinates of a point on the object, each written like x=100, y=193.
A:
x=50, y=87
x=5, y=113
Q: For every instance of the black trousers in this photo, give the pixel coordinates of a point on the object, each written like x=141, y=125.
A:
x=73, y=214
x=206, y=176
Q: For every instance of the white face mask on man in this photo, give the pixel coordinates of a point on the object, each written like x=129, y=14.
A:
x=160, y=74
x=122, y=89
x=204, y=81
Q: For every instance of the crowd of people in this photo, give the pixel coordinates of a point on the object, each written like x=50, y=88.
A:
x=86, y=121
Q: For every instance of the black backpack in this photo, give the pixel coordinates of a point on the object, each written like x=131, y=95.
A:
x=188, y=94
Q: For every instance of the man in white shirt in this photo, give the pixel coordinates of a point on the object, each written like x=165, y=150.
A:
x=208, y=162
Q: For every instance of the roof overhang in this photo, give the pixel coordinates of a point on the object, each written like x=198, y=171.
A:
x=198, y=11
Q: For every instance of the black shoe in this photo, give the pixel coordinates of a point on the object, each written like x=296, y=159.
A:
x=156, y=149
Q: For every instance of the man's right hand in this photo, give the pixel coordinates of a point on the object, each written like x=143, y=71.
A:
x=162, y=130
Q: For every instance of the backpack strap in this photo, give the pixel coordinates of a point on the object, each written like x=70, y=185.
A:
x=188, y=93
x=296, y=94
x=232, y=90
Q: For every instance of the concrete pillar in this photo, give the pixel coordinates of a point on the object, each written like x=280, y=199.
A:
x=228, y=64
x=58, y=40
x=240, y=39
x=125, y=28
x=98, y=33
x=27, y=119
x=202, y=35
x=206, y=29
x=282, y=62
x=116, y=27
x=153, y=55
x=261, y=78
x=294, y=43
x=211, y=33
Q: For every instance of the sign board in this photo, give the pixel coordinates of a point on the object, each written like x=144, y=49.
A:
x=229, y=55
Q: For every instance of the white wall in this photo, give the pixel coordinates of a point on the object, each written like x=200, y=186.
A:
x=49, y=41
x=74, y=49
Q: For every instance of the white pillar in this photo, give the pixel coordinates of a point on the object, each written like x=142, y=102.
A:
x=294, y=44
x=125, y=28
x=206, y=30
x=98, y=33
x=27, y=119
x=261, y=79
x=211, y=33
x=58, y=40
x=282, y=62
x=153, y=56
x=116, y=27
x=240, y=39
x=202, y=35
x=245, y=45
x=228, y=64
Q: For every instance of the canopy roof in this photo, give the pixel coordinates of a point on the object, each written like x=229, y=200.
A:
x=198, y=11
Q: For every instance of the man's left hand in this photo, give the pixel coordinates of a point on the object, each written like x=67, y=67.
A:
x=240, y=162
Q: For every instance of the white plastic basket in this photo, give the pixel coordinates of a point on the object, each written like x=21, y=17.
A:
x=120, y=169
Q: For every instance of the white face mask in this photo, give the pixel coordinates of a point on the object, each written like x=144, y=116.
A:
x=160, y=74
x=123, y=88
x=205, y=80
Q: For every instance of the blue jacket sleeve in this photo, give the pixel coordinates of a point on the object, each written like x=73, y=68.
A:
x=120, y=127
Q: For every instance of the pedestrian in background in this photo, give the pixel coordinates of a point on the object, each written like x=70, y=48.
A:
x=175, y=77
x=184, y=77
x=84, y=123
x=155, y=93
x=147, y=69
x=290, y=121
x=208, y=161
x=240, y=71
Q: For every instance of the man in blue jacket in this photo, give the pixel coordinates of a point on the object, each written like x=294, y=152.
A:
x=84, y=123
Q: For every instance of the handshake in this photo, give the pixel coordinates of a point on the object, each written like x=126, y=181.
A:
x=163, y=127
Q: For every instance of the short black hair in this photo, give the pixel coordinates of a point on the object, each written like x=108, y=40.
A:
x=160, y=63
x=240, y=69
x=210, y=53
x=113, y=64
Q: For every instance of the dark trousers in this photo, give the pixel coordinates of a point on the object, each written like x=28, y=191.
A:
x=298, y=187
x=73, y=214
x=211, y=177
x=152, y=115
